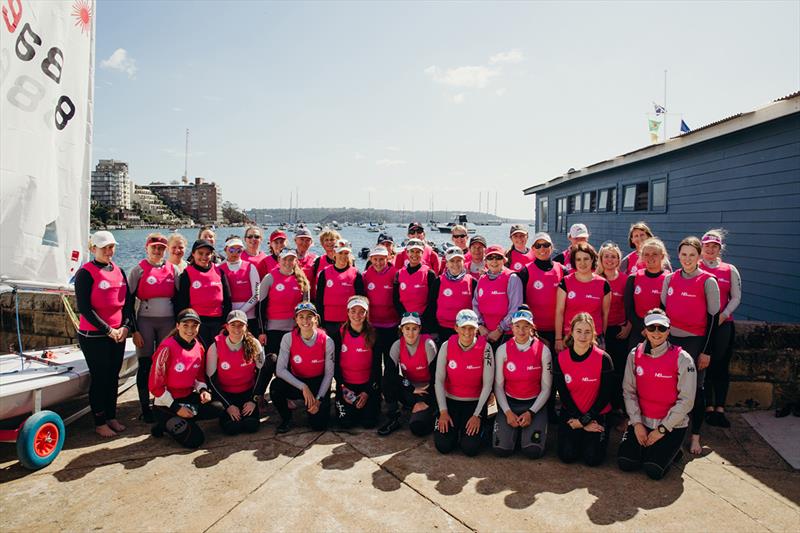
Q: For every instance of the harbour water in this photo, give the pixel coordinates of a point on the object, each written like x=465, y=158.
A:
x=130, y=249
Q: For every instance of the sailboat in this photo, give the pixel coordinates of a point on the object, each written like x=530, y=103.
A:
x=44, y=209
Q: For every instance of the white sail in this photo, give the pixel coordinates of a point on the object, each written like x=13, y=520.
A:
x=46, y=100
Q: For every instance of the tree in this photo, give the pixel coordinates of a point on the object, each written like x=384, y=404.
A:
x=232, y=214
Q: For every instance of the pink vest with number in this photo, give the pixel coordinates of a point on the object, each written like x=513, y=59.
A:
x=646, y=292
x=235, y=375
x=307, y=361
x=616, y=315
x=464, y=377
x=657, y=381
x=284, y=294
x=723, y=274
x=523, y=370
x=355, y=359
x=453, y=297
x=584, y=297
x=415, y=367
x=156, y=281
x=339, y=286
x=686, y=302
x=583, y=379
x=183, y=366
x=108, y=296
x=239, y=281
x=414, y=289
x=540, y=294
x=379, y=287
x=519, y=261
x=493, y=298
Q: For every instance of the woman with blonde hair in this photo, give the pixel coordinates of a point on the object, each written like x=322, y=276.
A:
x=643, y=289
x=176, y=244
x=327, y=239
x=280, y=292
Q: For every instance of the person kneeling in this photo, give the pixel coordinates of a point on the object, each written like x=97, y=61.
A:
x=659, y=390
x=177, y=380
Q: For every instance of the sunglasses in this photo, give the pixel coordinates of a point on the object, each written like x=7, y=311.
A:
x=415, y=231
x=540, y=245
x=495, y=257
x=252, y=236
x=657, y=327
x=412, y=313
x=459, y=236
x=235, y=250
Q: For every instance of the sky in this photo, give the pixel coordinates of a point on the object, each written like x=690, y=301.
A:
x=395, y=105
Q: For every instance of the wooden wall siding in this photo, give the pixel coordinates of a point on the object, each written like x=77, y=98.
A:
x=747, y=182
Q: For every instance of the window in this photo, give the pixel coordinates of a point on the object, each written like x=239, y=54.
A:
x=607, y=200
x=541, y=214
x=659, y=201
x=636, y=197
x=590, y=202
x=575, y=203
x=561, y=215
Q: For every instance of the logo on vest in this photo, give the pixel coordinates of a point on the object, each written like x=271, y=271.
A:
x=687, y=295
x=225, y=365
x=196, y=284
x=297, y=359
x=344, y=348
x=371, y=286
x=452, y=364
x=587, y=379
x=473, y=367
x=180, y=367
x=104, y=285
x=511, y=366
x=571, y=295
x=567, y=378
x=637, y=290
x=480, y=292
x=279, y=287
x=663, y=376
x=403, y=285
x=517, y=266
x=538, y=285
x=151, y=280
x=639, y=371
x=670, y=291
x=447, y=292
x=329, y=283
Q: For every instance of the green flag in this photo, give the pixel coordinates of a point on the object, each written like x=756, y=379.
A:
x=653, y=125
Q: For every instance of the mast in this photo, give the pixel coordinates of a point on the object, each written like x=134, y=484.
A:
x=186, y=159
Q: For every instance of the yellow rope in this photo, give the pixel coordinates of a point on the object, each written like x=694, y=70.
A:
x=70, y=312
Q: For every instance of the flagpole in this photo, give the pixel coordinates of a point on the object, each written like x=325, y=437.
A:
x=666, y=107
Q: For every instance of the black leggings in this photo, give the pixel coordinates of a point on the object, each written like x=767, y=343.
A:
x=334, y=331
x=456, y=436
x=718, y=378
x=444, y=334
x=384, y=338
x=618, y=350
x=185, y=431
x=348, y=415
x=692, y=346
x=549, y=338
x=655, y=459
x=153, y=330
x=104, y=359
x=247, y=423
x=210, y=327
x=281, y=392
x=274, y=338
x=574, y=444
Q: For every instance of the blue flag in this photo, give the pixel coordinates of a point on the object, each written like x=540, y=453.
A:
x=659, y=109
x=684, y=127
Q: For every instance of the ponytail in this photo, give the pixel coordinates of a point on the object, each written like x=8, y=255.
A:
x=302, y=280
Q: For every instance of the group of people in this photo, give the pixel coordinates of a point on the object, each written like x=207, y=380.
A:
x=607, y=337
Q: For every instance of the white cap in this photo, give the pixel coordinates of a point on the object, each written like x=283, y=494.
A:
x=380, y=251
x=356, y=301
x=234, y=242
x=466, y=317
x=453, y=252
x=237, y=315
x=578, y=230
x=656, y=319
x=409, y=318
x=415, y=243
x=342, y=246
x=542, y=236
x=287, y=252
x=103, y=238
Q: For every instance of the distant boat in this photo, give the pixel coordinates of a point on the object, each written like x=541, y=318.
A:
x=458, y=219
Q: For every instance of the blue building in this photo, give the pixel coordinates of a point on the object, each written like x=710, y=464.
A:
x=741, y=173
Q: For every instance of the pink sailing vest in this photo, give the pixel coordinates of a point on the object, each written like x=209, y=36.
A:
x=540, y=294
x=108, y=296
x=686, y=302
x=453, y=297
x=583, y=379
x=284, y=294
x=205, y=291
x=584, y=298
x=646, y=292
x=523, y=370
x=567, y=264
x=257, y=261
x=156, y=281
x=464, y=377
x=379, y=287
x=415, y=367
x=339, y=286
x=657, y=381
x=493, y=298
x=307, y=265
x=616, y=315
x=519, y=261
x=355, y=359
x=414, y=289
x=239, y=281
x=635, y=263
x=235, y=375
x=723, y=275
x=307, y=361
x=183, y=367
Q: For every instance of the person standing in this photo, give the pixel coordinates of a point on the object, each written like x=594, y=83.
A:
x=498, y=296
x=643, y=289
x=305, y=257
x=243, y=279
x=637, y=234
x=476, y=266
x=577, y=234
x=177, y=247
x=277, y=242
x=327, y=239
x=281, y=290
x=429, y=257
x=414, y=286
x=335, y=285
x=519, y=255
x=454, y=291
x=253, y=252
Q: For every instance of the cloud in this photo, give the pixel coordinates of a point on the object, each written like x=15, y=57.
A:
x=358, y=156
x=514, y=55
x=177, y=109
x=390, y=162
x=120, y=61
x=467, y=76
x=393, y=148
x=457, y=98
x=501, y=91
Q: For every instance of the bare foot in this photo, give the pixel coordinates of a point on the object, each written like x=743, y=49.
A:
x=694, y=447
x=105, y=431
x=115, y=425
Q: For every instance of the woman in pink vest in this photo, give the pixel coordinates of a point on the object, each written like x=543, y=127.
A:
x=204, y=287
x=327, y=239
x=578, y=233
x=464, y=380
x=243, y=279
x=335, y=285
x=523, y=377
x=236, y=376
x=178, y=383
x=253, y=252
x=408, y=379
x=357, y=369
x=304, y=371
x=414, y=286
x=583, y=375
x=476, y=265
x=497, y=297
x=730, y=295
x=277, y=242
x=454, y=290
x=643, y=289
x=305, y=257
x=176, y=244
x=659, y=389
x=637, y=234
x=690, y=297
x=582, y=291
x=106, y=309
x=429, y=257
x=519, y=255
x=154, y=283
x=280, y=292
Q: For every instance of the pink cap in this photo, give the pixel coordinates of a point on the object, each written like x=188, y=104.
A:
x=495, y=249
x=707, y=238
x=277, y=234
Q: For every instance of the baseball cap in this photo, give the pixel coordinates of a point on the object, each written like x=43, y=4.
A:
x=302, y=232
x=495, y=249
x=542, y=236
x=415, y=225
x=578, y=230
x=305, y=306
x=522, y=315
x=342, y=246
x=287, y=252
x=711, y=238
x=480, y=239
x=234, y=242
x=157, y=240
x=356, y=301
x=237, y=316
x=202, y=243
x=277, y=234
x=188, y=314
x=466, y=317
x=410, y=318
x=518, y=228
x=385, y=237
x=415, y=243
x=656, y=319
x=103, y=238
x=379, y=250
x=453, y=252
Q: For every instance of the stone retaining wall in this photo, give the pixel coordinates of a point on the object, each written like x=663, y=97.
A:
x=765, y=366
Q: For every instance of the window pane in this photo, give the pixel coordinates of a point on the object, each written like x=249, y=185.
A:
x=659, y=194
x=587, y=201
x=592, y=202
x=613, y=197
x=601, y=205
x=577, y=198
x=642, y=196
x=542, y=214
x=629, y=199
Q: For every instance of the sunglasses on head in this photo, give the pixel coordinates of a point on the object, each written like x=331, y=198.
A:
x=412, y=313
x=657, y=327
x=252, y=236
x=540, y=245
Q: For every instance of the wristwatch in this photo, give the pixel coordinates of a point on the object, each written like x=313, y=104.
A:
x=662, y=429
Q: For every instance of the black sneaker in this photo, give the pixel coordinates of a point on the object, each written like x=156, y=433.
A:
x=389, y=427
x=157, y=430
x=147, y=417
x=284, y=426
x=711, y=418
x=721, y=420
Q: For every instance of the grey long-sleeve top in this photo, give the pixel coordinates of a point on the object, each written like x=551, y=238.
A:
x=678, y=415
x=430, y=352
x=154, y=307
x=282, y=367
x=249, y=307
x=514, y=292
x=500, y=379
x=736, y=288
x=441, y=374
x=286, y=324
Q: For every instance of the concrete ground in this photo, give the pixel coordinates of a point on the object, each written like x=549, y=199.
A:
x=357, y=481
